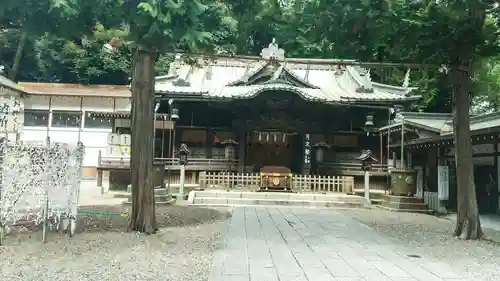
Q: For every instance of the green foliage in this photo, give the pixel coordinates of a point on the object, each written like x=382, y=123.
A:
x=167, y=25
x=8, y=44
x=67, y=45
x=68, y=18
x=86, y=61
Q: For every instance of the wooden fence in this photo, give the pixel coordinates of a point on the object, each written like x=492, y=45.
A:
x=300, y=183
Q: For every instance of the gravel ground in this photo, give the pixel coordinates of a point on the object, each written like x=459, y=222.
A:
x=432, y=237
x=102, y=250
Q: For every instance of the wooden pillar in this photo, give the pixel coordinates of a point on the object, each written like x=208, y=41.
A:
x=497, y=159
x=209, y=142
x=99, y=171
x=381, y=149
x=242, y=140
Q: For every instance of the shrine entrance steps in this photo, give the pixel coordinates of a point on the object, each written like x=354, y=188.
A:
x=404, y=204
x=239, y=198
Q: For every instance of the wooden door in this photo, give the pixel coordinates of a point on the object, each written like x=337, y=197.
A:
x=269, y=154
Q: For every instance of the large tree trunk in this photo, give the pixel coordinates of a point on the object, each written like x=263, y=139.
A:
x=143, y=217
x=468, y=225
x=19, y=55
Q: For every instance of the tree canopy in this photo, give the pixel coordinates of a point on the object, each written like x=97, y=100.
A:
x=66, y=46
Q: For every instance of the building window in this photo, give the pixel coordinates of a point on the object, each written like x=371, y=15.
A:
x=36, y=118
x=97, y=122
x=66, y=119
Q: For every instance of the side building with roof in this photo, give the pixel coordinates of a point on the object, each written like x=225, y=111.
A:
x=429, y=147
x=64, y=113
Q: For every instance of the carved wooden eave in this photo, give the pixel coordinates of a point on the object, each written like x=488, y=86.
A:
x=230, y=142
x=273, y=70
x=273, y=74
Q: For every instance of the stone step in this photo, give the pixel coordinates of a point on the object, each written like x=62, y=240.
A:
x=178, y=196
x=273, y=202
x=161, y=191
x=158, y=192
x=404, y=206
x=171, y=201
x=273, y=198
x=157, y=189
x=159, y=199
x=403, y=199
x=425, y=211
x=278, y=196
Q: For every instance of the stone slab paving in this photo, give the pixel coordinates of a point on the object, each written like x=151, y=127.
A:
x=294, y=244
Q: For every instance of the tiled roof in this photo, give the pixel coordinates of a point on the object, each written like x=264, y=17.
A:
x=61, y=89
x=218, y=79
x=332, y=86
x=478, y=122
x=432, y=121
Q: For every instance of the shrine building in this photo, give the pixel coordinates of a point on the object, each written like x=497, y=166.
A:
x=274, y=111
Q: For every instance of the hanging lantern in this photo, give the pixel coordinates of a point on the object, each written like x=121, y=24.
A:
x=369, y=126
x=230, y=148
x=369, y=121
x=320, y=148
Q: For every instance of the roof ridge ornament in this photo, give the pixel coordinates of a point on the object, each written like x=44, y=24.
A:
x=273, y=52
x=406, y=80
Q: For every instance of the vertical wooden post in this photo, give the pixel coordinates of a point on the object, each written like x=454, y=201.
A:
x=497, y=199
x=99, y=172
x=209, y=142
x=367, y=187
x=388, y=148
x=241, y=151
x=162, y=137
x=381, y=149
x=402, y=143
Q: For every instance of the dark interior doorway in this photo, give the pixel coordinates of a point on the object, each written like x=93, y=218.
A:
x=486, y=188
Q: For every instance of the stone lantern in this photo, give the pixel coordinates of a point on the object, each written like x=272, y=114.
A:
x=183, y=154
x=367, y=160
x=230, y=149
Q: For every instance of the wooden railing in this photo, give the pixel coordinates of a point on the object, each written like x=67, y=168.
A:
x=300, y=183
x=229, y=180
x=350, y=166
x=123, y=162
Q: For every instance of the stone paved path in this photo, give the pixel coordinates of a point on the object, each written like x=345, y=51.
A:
x=292, y=244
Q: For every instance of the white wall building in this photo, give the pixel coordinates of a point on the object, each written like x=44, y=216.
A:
x=62, y=112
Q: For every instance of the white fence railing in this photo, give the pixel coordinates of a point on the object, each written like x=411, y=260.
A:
x=299, y=183
x=433, y=203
